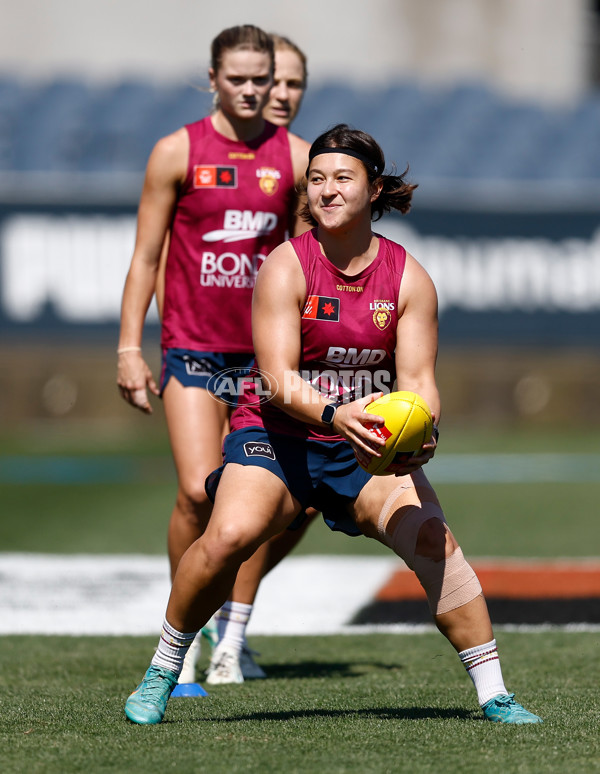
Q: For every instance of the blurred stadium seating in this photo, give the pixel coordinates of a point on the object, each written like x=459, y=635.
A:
x=67, y=147
x=466, y=132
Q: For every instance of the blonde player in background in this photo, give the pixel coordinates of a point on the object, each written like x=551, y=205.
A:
x=289, y=83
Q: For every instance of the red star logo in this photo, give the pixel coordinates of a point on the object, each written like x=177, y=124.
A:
x=226, y=177
x=328, y=308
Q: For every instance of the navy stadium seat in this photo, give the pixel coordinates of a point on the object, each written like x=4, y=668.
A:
x=116, y=128
x=47, y=124
x=464, y=132
x=12, y=94
x=175, y=106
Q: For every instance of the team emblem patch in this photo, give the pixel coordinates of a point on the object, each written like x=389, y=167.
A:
x=382, y=313
x=211, y=176
x=195, y=367
x=268, y=180
x=322, y=308
x=257, y=449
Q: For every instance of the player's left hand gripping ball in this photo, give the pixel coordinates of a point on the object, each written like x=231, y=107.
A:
x=408, y=425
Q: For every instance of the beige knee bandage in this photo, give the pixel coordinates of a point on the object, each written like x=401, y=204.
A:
x=449, y=583
x=388, y=507
x=401, y=530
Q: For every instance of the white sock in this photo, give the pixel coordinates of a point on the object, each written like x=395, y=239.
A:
x=188, y=670
x=172, y=647
x=232, y=622
x=483, y=667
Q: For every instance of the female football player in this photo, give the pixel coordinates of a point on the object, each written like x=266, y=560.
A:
x=223, y=189
x=312, y=313
x=232, y=660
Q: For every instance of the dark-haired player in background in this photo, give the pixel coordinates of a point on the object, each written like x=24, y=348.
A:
x=232, y=660
x=220, y=193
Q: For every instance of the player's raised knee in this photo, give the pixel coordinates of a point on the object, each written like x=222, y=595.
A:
x=234, y=538
x=435, y=540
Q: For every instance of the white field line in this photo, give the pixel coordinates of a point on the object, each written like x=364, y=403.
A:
x=117, y=595
x=127, y=595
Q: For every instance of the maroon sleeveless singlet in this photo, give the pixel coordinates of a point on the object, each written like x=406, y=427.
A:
x=232, y=211
x=348, y=334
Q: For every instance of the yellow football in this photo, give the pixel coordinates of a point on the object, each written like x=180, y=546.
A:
x=408, y=425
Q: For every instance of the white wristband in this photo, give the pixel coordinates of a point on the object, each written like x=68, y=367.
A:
x=121, y=350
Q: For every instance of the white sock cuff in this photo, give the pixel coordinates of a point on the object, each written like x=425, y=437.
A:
x=183, y=637
x=172, y=647
x=478, y=651
x=483, y=667
x=236, y=611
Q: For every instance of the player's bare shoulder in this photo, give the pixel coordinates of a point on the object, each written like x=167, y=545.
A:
x=417, y=284
x=298, y=144
x=170, y=155
x=281, y=261
x=281, y=273
x=299, y=152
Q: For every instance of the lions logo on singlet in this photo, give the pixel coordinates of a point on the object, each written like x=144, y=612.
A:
x=382, y=313
x=268, y=180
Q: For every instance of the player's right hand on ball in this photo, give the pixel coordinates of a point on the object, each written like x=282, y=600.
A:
x=357, y=426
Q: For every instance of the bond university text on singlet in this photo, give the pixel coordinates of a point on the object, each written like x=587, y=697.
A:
x=232, y=211
x=348, y=331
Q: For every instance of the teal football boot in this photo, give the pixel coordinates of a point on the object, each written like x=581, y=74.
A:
x=504, y=709
x=147, y=704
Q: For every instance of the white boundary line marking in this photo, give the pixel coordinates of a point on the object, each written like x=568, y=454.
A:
x=127, y=595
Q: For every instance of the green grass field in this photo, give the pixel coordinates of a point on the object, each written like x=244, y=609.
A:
x=127, y=509
x=365, y=703
x=359, y=703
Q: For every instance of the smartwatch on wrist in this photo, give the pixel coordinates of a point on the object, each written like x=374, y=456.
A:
x=328, y=414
